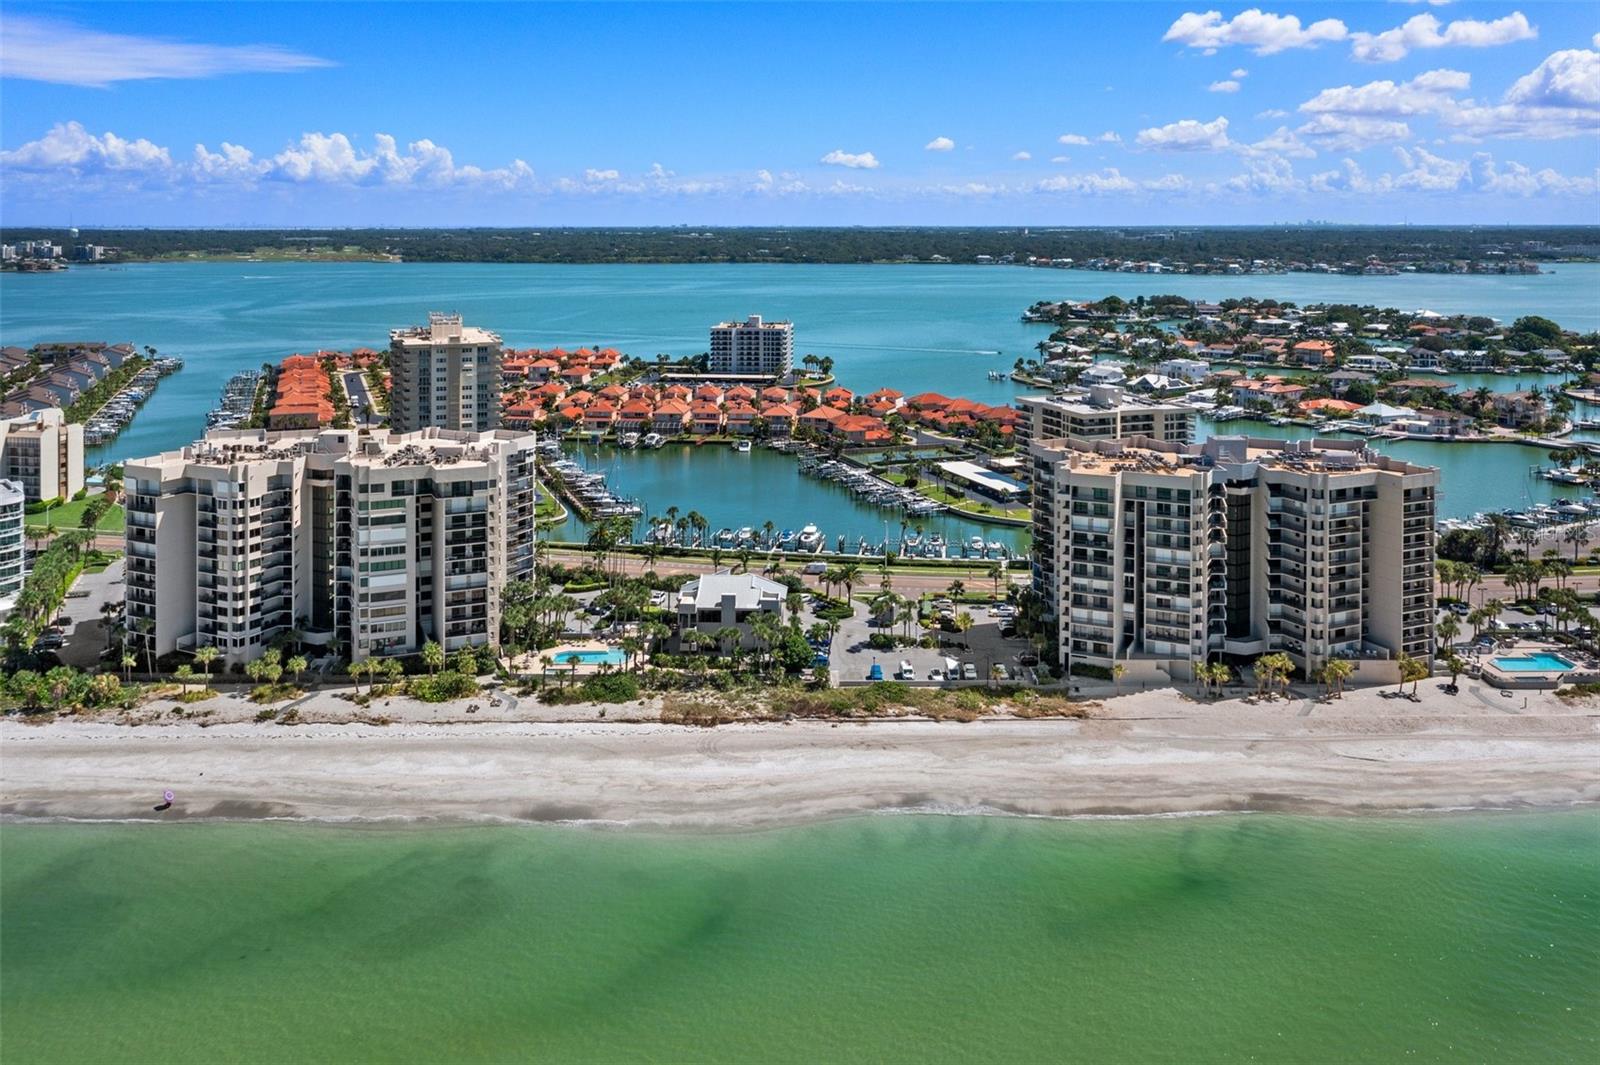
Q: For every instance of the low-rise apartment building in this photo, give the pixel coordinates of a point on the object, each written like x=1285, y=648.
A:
x=43, y=453
x=1155, y=555
x=370, y=543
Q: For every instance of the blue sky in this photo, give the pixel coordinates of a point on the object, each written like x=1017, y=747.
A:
x=594, y=114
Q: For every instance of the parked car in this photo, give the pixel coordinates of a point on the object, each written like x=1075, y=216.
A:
x=969, y=671
x=812, y=569
x=1028, y=659
x=1001, y=672
x=937, y=675
x=905, y=672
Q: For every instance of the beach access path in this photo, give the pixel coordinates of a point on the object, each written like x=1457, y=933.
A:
x=1152, y=752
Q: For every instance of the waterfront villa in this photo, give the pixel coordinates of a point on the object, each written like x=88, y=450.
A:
x=1518, y=410
x=1313, y=352
x=718, y=601
x=670, y=417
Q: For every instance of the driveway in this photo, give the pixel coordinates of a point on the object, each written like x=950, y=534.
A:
x=86, y=633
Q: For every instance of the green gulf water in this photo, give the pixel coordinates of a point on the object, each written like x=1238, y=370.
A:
x=1262, y=938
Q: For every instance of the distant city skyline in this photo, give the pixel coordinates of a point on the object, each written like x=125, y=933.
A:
x=802, y=114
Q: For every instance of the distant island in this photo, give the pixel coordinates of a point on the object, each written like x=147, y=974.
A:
x=1156, y=249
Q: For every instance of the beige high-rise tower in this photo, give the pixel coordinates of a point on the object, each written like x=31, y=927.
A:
x=444, y=374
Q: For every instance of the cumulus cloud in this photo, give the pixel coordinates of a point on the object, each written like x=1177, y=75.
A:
x=853, y=160
x=1110, y=137
x=68, y=146
x=1352, y=133
x=1022, y=157
x=592, y=175
x=1559, y=98
x=1428, y=93
x=1265, y=33
x=321, y=158
x=939, y=144
x=1240, y=72
x=1426, y=31
x=1105, y=181
x=1272, y=112
x=1061, y=158
x=64, y=53
x=1187, y=135
x=1072, y=138
x=1223, y=86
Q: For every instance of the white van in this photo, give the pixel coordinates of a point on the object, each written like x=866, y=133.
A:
x=814, y=568
x=906, y=672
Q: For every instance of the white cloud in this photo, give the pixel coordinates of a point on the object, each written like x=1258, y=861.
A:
x=68, y=146
x=324, y=158
x=1272, y=112
x=1239, y=72
x=1022, y=157
x=1105, y=181
x=1110, y=137
x=1423, y=31
x=1270, y=175
x=1223, y=86
x=1519, y=180
x=939, y=144
x=1264, y=32
x=50, y=50
x=854, y=160
x=1351, y=133
x=1281, y=141
x=1559, y=98
x=1072, y=138
x=1427, y=93
x=1168, y=183
x=1187, y=135
x=593, y=176
x=1061, y=158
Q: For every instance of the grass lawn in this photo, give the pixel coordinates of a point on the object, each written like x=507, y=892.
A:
x=68, y=515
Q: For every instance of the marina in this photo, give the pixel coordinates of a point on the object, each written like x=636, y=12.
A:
x=107, y=423
x=238, y=399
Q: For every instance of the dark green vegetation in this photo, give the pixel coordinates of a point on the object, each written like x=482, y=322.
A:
x=850, y=245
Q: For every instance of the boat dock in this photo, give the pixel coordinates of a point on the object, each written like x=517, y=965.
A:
x=107, y=423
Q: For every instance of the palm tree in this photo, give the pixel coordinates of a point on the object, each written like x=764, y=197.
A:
x=432, y=656
x=997, y=573
x=184, y=673
x=849, y=573
x=1338, y=670
x=963, y=626
x=1118, y=671
x=1577, y=535
x=204, y=656
x=296, y=666
x=955, y=590
x=128, y=662
x=1447, y=630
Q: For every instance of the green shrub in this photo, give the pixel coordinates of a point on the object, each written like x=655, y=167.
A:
x=443, y=687
x=1084, y=669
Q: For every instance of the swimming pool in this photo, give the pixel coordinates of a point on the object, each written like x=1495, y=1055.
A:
x=1539, y=662
x=590, y=658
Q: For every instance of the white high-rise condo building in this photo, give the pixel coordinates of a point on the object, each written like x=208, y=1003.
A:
x=1101, y=412
x=371, y=543
x=1155, y=555
x=752, y=348
x=13, y=556
x=444, y=375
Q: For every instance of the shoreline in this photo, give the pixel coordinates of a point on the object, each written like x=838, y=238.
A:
x=1147, y=754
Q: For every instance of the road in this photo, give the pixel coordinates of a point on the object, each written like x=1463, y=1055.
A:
x=975, y=576
x=355, y=386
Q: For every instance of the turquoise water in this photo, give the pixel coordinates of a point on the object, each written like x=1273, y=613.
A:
x=880, y=939
x=591, y=658
x=1542, y=662
x=938, y=328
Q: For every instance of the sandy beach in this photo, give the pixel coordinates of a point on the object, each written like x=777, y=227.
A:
x=1145, y=753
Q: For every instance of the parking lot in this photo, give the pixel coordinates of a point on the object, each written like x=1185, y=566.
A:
x=981, y=647
x=84, y=635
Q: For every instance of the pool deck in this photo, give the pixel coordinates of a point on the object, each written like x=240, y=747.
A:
x=1582, y=668
x=531, y=663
